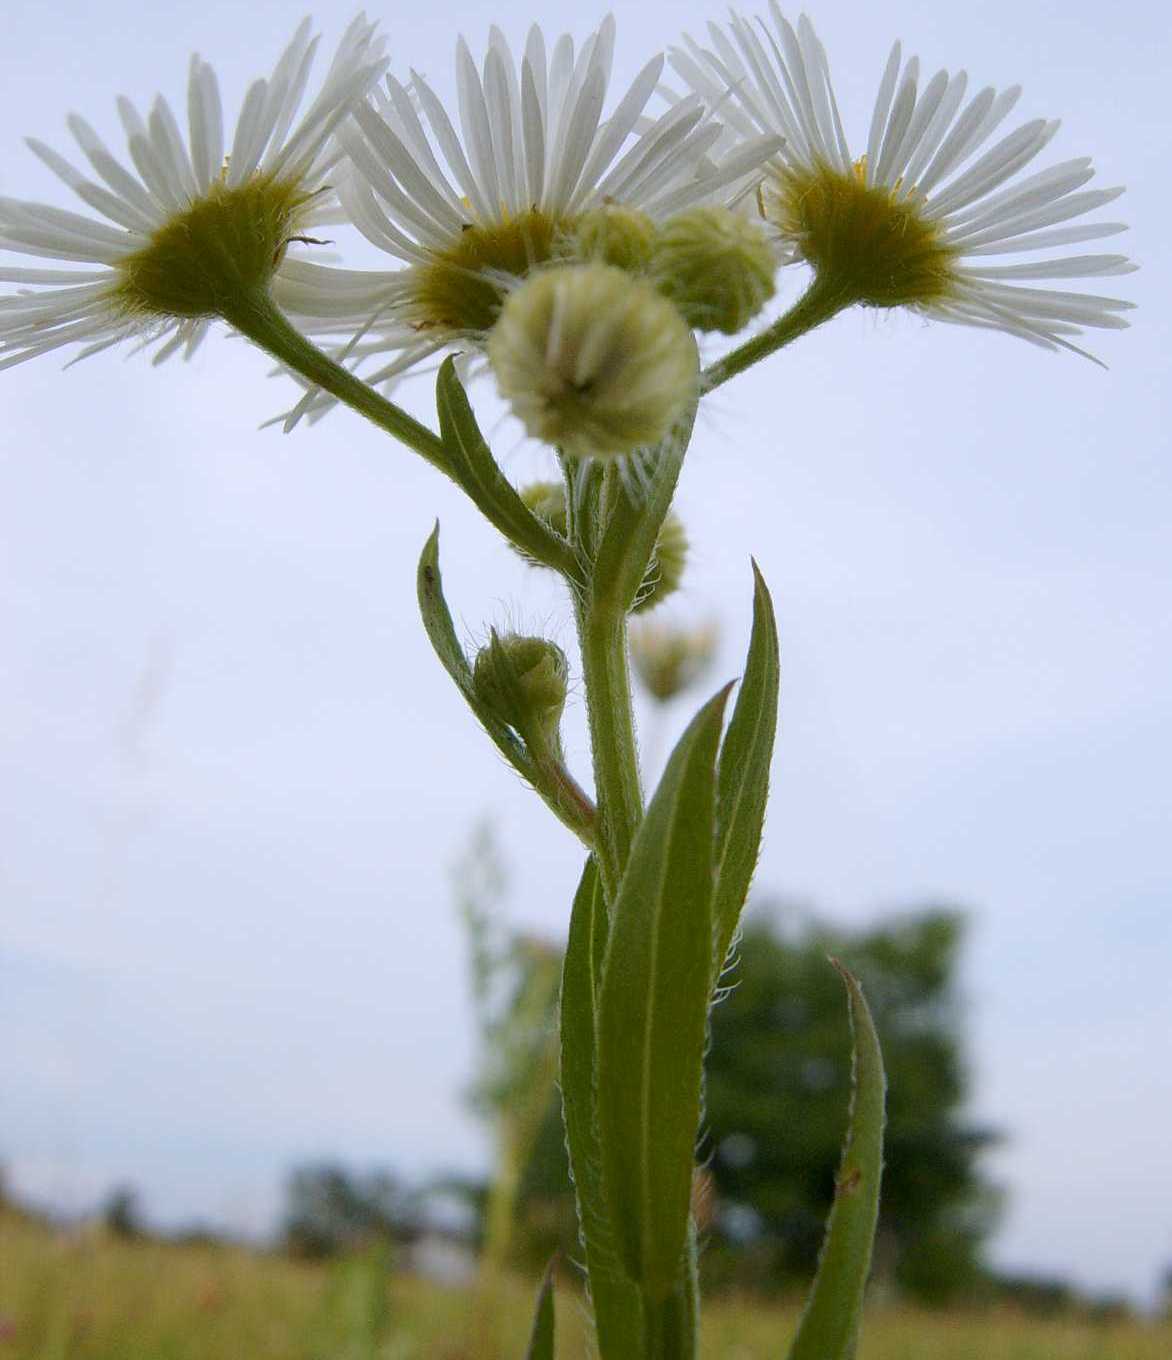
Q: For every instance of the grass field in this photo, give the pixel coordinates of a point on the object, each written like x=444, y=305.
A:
x=95, y=1298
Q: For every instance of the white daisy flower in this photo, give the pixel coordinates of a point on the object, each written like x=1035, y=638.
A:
x=467, y=214
x=919, y=219
x=193, y=230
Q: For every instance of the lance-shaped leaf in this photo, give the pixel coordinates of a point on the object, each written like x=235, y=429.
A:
x=633, y=521
x=652, y=1013
x=541, y=1338
x=829, y=1328
x=555, y=787
x=471, y=463
x=742, y=783
x=616, y=1303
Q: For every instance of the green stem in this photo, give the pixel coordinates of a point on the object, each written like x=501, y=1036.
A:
x=602, y=634
x=669, y=1327
x=817, y=304
x=259, y=318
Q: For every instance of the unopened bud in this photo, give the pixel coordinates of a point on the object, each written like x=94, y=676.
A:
x=667, y=658
x=593, y=360
x=610, y=235
x=666, y=568
x=547, y=500
x=716, y=266
x=522, y=681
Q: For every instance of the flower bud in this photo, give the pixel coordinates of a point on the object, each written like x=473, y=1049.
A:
x=547, y=500
x=666, y=569
x=667, y=658
x=523, y=681
x=716, y=265
x=611, y=235
x=593, y=360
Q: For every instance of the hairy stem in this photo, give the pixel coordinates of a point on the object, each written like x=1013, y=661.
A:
x=817, y=304
x=602, y=635
x=259, y=318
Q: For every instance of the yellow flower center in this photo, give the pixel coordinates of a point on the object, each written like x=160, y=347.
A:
x=458, y=289
x=880, y=248
x=204, y=259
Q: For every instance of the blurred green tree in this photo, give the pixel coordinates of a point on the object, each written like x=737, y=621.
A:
x=121, y=1213
x=777, y=1089
x=331, y=1211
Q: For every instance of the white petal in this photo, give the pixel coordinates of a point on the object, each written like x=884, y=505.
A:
x=533, y=127
x=114, y=207
x=994, y=167
x=1044, y=240
x=449, y=144
x=580, y=130
x=500, y=120
x=936, y=130
x=1070, y=267
x=618, y=127
x=116, y=176
x=474, y=122
x=882, y=109
x=897, y=125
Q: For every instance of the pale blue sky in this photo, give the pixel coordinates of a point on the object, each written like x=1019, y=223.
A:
x=233, y=777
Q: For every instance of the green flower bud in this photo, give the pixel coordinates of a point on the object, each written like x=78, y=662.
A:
x=523, y=681
x=667, y=658
x=716, y=266
x=547, y=500
x=666, y=568
x=610, y=235
x=593, y=360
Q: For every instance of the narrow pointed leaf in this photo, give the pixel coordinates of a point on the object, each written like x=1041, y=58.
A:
x=437, y=622
x=541, y=1338
x=616, y=1304
x=472, y=465
x=632, y=522
x=829, y=1328
x=652, y=1013
x=742, y=784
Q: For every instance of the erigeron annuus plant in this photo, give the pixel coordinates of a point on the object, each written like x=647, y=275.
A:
x=587, y=261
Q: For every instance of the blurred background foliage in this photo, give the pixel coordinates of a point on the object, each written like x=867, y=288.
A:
x=368, y=1266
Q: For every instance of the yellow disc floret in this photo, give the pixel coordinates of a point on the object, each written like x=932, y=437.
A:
x=461, y=288
x=223, y=247
x=878, y=247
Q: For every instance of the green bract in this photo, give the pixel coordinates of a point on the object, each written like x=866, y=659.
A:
x=222, y=249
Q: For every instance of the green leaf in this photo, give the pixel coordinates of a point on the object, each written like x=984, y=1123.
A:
x=617, y=1307
x=829, y=1329
x=541, y=1338
x=652, y=1012
x=471, y=463
x=633, y=521
x=437, y=622
x=742, y=782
